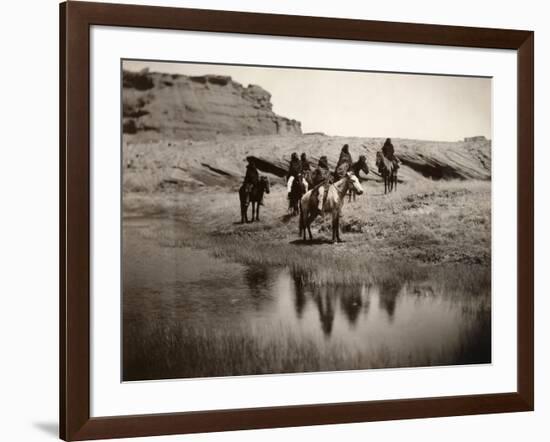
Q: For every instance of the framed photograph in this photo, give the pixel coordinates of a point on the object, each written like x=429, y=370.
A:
x=272, y=220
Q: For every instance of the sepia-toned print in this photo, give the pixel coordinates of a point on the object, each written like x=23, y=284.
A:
x=285, y=220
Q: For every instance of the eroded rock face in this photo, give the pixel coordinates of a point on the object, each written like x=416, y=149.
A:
x=159, y=105
x=170, y=165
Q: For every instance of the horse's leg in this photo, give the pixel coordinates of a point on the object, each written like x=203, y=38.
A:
x=336, y=228
x=309, y=220
x=258, y=211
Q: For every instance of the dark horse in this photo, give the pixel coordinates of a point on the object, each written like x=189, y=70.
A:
x=356, y=168
x=252, y=193
x=388, y=170
x=299, y=187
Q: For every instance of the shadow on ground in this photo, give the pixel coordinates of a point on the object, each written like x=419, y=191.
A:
x=313, y=242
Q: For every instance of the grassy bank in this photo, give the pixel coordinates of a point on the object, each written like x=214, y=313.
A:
x=423, y=224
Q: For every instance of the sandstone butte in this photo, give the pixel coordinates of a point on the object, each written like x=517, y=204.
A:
x=160, y=106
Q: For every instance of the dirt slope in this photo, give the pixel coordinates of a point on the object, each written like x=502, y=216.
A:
x=186, y=165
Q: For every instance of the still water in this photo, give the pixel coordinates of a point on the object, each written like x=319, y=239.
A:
x=164, y=285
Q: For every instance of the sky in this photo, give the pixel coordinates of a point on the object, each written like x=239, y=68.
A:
x=364, y=104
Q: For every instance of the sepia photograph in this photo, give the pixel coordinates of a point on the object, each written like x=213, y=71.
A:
x=281, y=220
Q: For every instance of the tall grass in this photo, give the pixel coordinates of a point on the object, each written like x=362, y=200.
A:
x=176, y=350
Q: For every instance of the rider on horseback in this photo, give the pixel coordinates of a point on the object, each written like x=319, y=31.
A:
x=389, y=152
x=252, y=176
x=294, y=169
x=344, y=163
x=321, y=178
x=305, y=164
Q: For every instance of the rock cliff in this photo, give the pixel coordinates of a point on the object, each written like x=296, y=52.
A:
x=160, y=106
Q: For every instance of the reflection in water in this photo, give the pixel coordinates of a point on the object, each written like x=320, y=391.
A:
x=352, y=299
x=257, y=280
x=325, y=305
x=389, y=290
x=299, y=294
x=351, y=303
x=419, y=323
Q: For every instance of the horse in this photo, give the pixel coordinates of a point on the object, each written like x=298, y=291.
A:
x=388, y=170
x=356, y=168
x=252, y=193
x=297, y=190
x=244, y=199
x=333, y=204
x=257, y=196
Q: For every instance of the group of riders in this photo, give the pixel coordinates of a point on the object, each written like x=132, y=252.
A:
x=320, y=177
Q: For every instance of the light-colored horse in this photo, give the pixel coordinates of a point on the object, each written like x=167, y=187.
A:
x=333, y=205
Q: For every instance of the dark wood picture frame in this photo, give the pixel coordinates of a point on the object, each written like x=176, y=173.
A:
x=76, y=18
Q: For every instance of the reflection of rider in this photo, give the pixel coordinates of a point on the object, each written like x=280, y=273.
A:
x=344, y=163
x=389, y=152
x=294, y=169
x=321, y=177
x=325, y=306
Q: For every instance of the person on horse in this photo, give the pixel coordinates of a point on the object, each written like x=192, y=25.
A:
x=389, y=152
x=294, y=169
x=252, y=175
x=306, y=170
x=321, y=178
x=344, y=163
x=305, y=163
